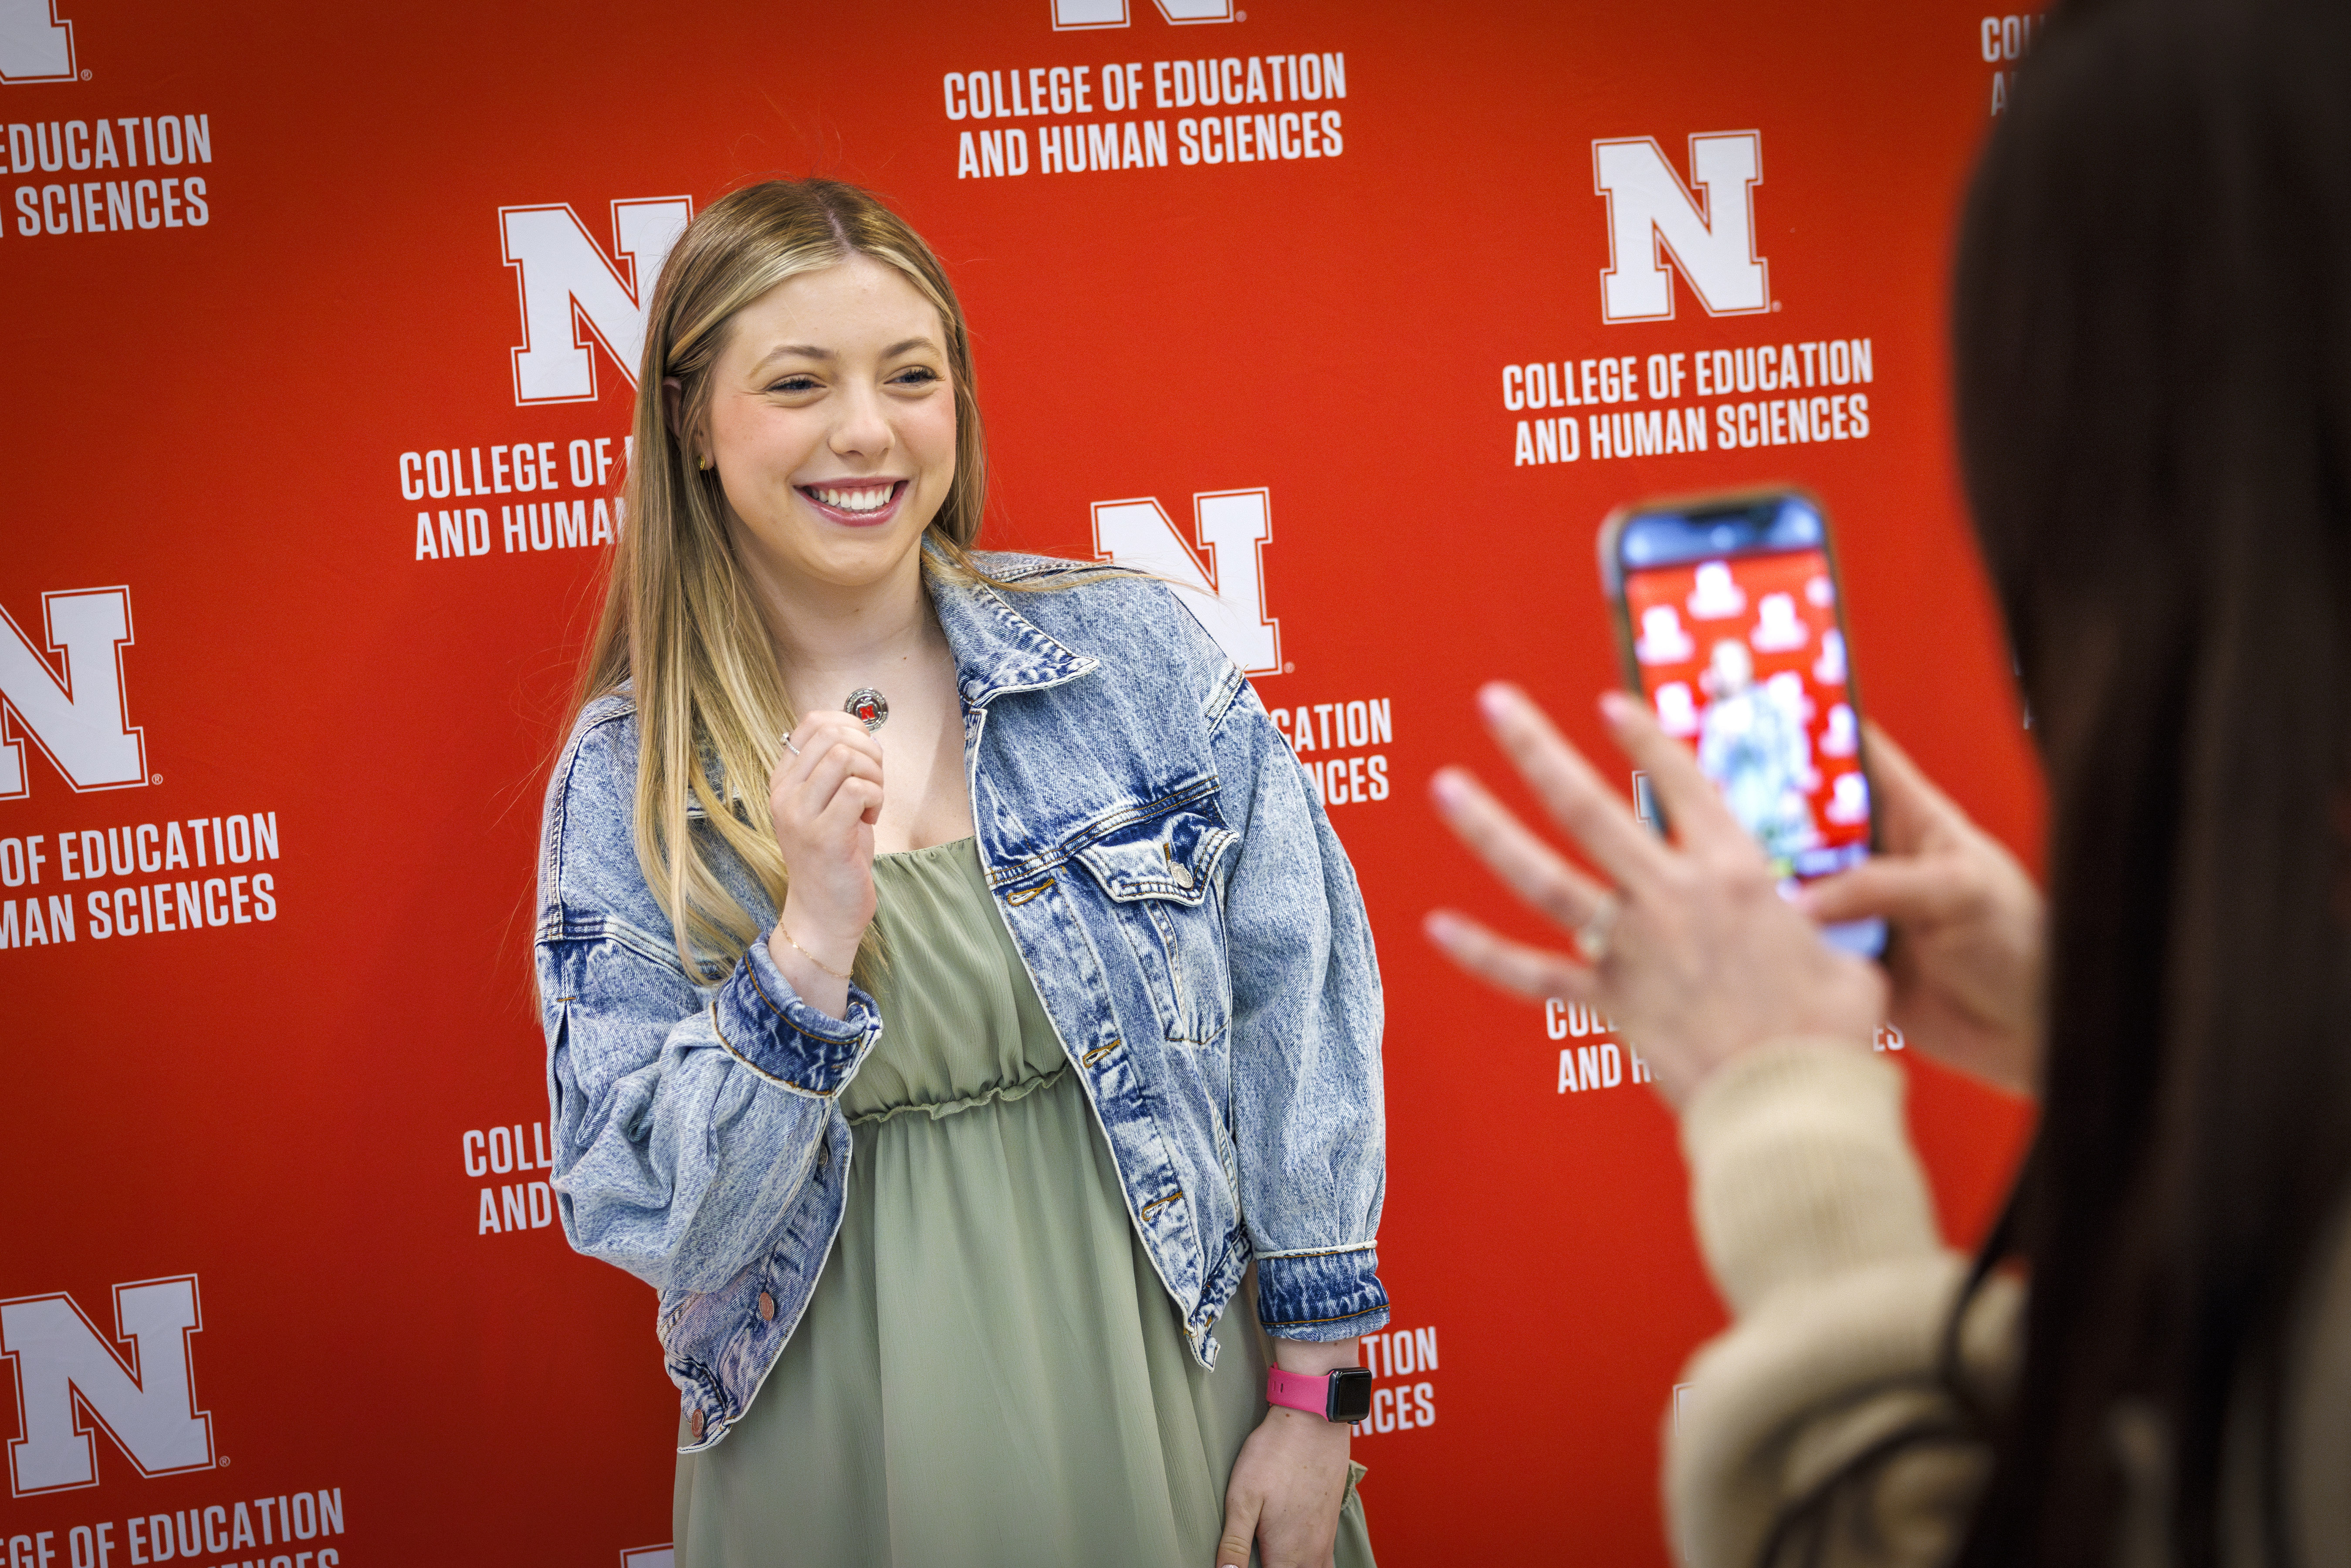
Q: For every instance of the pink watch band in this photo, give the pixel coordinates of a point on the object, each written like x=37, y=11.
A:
x=1299, y=1390
x=1345, y=1395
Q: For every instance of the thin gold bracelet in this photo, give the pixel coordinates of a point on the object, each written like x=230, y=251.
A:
x=811, y=957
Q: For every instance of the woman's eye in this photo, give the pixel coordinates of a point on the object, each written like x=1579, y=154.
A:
x=915, y=376
x=795, y=385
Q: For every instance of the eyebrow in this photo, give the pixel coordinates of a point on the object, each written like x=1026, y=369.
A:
x=810, y=351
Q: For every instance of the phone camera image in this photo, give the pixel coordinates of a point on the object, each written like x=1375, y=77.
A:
x=1739, y=644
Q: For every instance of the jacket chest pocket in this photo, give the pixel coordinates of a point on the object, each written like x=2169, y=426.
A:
x=1160, y=879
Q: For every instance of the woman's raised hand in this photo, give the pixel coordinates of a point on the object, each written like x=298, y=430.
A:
x=1966, y=959
x=824, y=800
x=1692, y=950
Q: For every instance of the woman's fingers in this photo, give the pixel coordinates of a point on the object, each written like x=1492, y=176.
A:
x=1240, y=1531
x=857, y=801
x=1569, y=789
x=818, y=733
x=839, y=786
x=1903, y=890
x=1534, y=870
x=831, y=745
x=813, y=795
x=1530, y=972
x=1909, y=807
x=1691, y=803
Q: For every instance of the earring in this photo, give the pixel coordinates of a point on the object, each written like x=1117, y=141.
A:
x=706, y=463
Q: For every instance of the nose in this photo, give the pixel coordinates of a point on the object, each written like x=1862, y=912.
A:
x=861, y=428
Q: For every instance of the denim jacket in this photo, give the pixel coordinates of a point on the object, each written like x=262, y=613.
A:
x=1189, y=919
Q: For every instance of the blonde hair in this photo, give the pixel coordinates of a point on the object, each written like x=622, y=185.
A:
x=680, y=621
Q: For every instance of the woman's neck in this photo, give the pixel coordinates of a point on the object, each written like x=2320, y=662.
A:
x=831, y=638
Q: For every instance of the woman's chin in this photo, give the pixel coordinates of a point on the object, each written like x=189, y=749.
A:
x=858, y=559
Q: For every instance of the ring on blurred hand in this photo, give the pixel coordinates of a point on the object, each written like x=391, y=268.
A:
x=787, y=739
x=1591, y=937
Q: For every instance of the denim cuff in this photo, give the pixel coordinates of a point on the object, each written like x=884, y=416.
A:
x=763, y=1022
x=1321, y=1295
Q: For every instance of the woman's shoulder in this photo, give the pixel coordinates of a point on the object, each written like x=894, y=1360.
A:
x=1125, y=618
x=602, y=748
x=594, y=786
x=1093, y=580
x=591, y=790
x=615, y=709
x=591, y=882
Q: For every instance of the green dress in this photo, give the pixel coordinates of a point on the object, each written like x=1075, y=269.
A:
x=990, y=1371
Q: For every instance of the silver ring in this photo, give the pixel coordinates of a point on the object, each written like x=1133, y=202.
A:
x=787, y=739
x=1591, y=937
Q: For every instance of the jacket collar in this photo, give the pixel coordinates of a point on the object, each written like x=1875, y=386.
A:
x=996, y=649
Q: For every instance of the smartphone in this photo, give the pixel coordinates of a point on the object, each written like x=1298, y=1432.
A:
x=1731, y=623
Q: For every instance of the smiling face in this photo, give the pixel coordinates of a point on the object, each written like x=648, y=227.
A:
x=832, y=420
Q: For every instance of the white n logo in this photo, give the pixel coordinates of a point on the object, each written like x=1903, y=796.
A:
x=571, y=289
x=35, y=44
x=78, y=722
x=1228, y=596
x=1075, y=15
x=1649, y=209
x=64, y=1365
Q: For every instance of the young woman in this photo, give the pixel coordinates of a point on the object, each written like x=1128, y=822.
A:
x=2153, y=338
x=954, y=995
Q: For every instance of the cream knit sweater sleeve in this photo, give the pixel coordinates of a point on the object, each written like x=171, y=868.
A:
x=1816, y=1428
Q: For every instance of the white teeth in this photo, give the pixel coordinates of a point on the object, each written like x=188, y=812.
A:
x=857, y=500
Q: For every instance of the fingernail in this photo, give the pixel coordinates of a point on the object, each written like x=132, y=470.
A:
x=1437, y=925
x=1616, y=707
x=1447, y=788
x=1494, y=700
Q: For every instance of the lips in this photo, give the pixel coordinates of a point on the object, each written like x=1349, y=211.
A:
x=857, y=503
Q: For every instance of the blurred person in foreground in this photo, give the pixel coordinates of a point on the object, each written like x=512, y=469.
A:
x=2150, y=1360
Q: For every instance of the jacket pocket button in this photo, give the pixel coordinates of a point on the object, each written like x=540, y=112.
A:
x=766, y=1307
x=694, y=1426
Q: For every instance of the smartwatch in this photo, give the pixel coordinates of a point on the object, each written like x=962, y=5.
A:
x=1342, y=1395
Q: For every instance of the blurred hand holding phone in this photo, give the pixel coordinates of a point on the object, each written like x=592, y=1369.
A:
x=1731, y=622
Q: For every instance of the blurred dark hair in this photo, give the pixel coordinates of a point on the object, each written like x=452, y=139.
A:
x=2153, y=350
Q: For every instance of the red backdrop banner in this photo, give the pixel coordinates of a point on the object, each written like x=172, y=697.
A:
x=1358, y=318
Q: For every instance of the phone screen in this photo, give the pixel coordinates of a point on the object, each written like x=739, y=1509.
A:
x=1736, y=637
